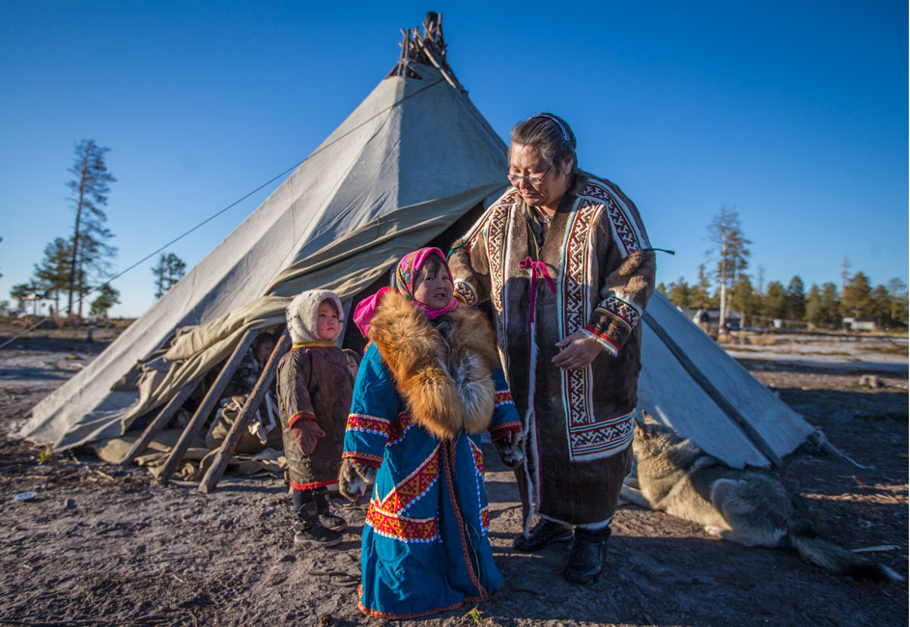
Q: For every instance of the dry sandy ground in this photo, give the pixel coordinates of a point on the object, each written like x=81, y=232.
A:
x=101, y=545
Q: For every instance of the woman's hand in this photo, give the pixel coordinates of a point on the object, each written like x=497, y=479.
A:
x=578, y=351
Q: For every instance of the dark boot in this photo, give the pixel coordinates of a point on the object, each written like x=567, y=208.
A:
x=589, y=551
x=326, y=518
x=543, y=533
x=308, y=531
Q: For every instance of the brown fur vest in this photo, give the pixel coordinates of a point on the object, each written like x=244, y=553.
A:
x=443, y=370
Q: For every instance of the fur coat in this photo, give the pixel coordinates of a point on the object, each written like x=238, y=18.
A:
x=314, y=382
x=577, y=424
x=424, y=394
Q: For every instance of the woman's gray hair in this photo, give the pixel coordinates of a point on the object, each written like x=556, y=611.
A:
x=551, y=136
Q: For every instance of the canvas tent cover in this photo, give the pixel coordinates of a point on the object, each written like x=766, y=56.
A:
x=408, y=162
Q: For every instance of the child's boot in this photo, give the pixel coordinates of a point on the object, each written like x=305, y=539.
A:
x=308, y=531
x=324, y=514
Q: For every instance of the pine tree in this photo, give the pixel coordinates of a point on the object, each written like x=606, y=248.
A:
x=107, y=298
x=897, y=290
x=53, y=273
x=775, y=301
x=169, y=270
x=796, y=299
x=831, y=309
x=857, y=298
x=89, y=252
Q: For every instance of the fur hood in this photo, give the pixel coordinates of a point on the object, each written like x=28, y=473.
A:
x=444, y=372
x=301, y=314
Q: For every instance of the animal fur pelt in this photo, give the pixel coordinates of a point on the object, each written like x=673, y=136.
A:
x=444, y=372
x=743, y=506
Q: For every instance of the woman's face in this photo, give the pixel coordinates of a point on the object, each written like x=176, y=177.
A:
x=327, y=323
x=434, y=289
x=526, y=161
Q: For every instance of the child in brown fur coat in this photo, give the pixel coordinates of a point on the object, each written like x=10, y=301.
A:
x=314, y=395
x=428, y=386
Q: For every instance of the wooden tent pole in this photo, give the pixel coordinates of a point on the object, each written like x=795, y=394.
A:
x=160, y=421
x=208, y=403
x=254, y=400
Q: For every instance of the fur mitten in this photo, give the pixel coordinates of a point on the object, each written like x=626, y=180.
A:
x=306, y=432
x=354, y=479
x=510, y=449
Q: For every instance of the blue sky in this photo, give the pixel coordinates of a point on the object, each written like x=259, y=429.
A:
x=794, y=113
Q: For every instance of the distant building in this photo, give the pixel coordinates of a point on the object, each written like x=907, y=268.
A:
x=859, y=324
x=710, y=317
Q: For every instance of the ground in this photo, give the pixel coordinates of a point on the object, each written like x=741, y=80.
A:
x=105, y=545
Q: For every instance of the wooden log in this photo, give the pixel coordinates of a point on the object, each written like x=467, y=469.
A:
x=208, y=404
x=160, y=421
x=254, y=400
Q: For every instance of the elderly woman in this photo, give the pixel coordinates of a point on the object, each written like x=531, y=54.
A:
x=566, y=262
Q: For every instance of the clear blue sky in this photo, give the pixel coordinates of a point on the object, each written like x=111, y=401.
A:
x=794, y=112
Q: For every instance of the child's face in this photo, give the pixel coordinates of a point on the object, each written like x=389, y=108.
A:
x=434, y=289
x=264, y=349
x=327, y=323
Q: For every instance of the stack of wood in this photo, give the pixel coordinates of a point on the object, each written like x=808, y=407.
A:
x=428, y=48
x=194, y=426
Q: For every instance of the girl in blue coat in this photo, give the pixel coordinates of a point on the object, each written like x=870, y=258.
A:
x=429, y=385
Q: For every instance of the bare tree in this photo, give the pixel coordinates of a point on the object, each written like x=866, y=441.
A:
x=90, y=190
x=728, y=250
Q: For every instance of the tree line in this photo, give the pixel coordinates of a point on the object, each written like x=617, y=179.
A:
x=76, y=269
x=725, y=285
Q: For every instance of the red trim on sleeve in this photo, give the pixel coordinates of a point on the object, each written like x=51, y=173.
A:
x=301, y=415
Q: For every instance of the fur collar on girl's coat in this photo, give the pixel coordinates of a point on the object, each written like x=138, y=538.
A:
x=302, y=313
x=444, y=372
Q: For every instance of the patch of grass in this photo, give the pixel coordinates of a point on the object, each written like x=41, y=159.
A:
x=474, y=617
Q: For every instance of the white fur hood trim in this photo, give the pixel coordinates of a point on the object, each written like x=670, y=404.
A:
x=301, y=314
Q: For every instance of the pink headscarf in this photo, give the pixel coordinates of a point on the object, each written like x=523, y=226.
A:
x=405, y=274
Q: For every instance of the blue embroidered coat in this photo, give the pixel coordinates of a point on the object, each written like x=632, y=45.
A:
x=425, y=547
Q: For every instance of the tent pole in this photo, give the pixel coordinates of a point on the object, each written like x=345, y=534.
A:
x=155, y=427
x=738, y=419
x=254, y=400
x=208, y=403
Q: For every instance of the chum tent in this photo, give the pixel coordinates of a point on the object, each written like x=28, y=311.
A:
x=414, y=164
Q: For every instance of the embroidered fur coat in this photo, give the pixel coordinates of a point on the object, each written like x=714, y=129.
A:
x=424, y=394
x=577, y=424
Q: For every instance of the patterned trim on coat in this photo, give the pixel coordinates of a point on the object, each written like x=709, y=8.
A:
x=623, y=227
x=402, y=528
x=464, y=291
x=477, y=453
x=576, y=384
x=385, y=515
x=601, y=439
x=364, y=423
x=504, y=398
x=412, y=487
x=373, y=461
x=399, y=428
x=624, y=312
x=312, y=485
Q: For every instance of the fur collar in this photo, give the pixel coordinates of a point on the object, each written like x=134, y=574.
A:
x=444, y=372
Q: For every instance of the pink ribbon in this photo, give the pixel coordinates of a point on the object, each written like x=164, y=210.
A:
x=538, y=269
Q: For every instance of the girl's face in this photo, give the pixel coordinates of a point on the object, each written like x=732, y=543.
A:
x=327, y=323
x=434, y=289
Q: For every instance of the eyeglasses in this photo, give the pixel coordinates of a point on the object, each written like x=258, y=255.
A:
x=514, y=179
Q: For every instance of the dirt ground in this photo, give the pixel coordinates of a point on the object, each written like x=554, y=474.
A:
x=104, y=545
